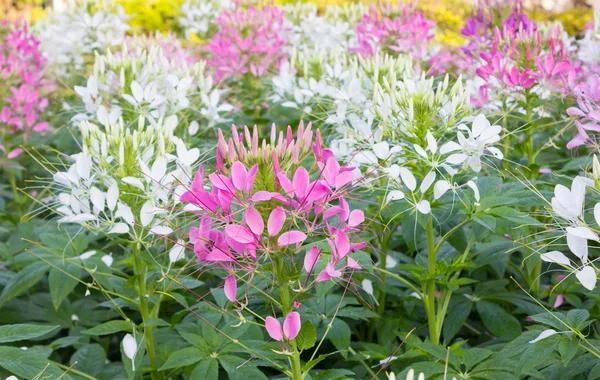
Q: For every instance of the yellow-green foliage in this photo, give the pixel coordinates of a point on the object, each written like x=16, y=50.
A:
x=152, y=15
x=574, y=20
x=450, y=16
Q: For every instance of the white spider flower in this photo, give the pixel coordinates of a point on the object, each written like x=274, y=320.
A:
x=199, y=15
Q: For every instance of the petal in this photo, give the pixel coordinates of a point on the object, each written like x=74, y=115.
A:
x=291, y=325
x=427, y=181
x=556, y=257
x=230, y=288
x=440, y=188
x=254, y=221
x=310, y=259
x=276, y=221
x=587, y=277
x=408, y=178
x=582, y=232
x=356, y=218
x=597, y=213
x=424, y=207
x=238, y=175
x=545, y=334
x=301, y=182
x=473, y=187
x=274, y=328
x=239, y=233
x=129, y=346
x=579, y=247
x=291, y=237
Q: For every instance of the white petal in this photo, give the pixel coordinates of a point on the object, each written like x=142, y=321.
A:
x=367, y=286
x=135, y=182
x=473, y=186
x=107, y=259
x=159, y=169
x=496, y=152
x=479, y=125
x=129, y=346
x=424, y=207
x=112, y=195
x=597, y=213
x=124, y=211
x=137, y=91
x=427, y=181
x=582, y=232
x=579, y=246
x=456, y=158
x=193, y=128
x=440, y=188
x=119, y=228
x=97, y=198
x=449, y=147
x=394, y=195
x=408, y=178
x=381, y=150
x=431, y=143
x=545, y=334
x=556, y=257
x=147, y=213
x=176, y=253
x=587, y=277
x=87, y=255
x=390, y=262
x=161, y=230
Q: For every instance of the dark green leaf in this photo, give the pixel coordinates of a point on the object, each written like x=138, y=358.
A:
x=183, y=358
x=62, y=280
x=498, y=321
x=29, y=365
x=13, y=333
x=207, y=369
x=89, y=359
x=109, y=327
x=25, y=279
x=307, y=337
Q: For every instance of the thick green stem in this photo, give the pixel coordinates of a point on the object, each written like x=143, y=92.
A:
x=140, y=273
x=430, y=298
x=287, y=307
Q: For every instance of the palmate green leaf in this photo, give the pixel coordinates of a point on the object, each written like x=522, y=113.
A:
x=62, y=280
x=334, y=374
x=486, y=221
x=28, y=365
x=513, y=215
x=14, y=333
x=22, y=281
x=498, y=321
x=207, y=368
x=183, y=358
x=109, y=327
x=339, y=335
x=89, y=359
x=474, y=356
x=240, y=369
x=458, y=312
x=307, y=337
x=567, y=348
x=577, y=318
x=310, y=364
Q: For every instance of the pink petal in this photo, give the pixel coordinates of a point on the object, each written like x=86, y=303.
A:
x=342, y=244
x=356, y=218
x=251, y=177
x=559, y=301
x=291, y=237
x=343, y=179
x=274, y=328
x=310, y=259
x=285, y=183
x=239, y=234
x=276, y=221
x=301, y=182
x=238, y=175
x=323, y=276
x=254, y=221
x=353, y=264
x=291, y=325
x=15, y=153
x=230, y=288
x=331, y=271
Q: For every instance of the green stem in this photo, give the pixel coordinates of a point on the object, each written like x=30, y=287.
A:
x=287, y=307
x=140, y=273
x=73, y=371
x=382, y=264
x=430, y=299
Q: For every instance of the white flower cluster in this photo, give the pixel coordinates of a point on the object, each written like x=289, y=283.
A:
x=126, y=180
x=146, y=83
x=589, y=46
x=199, y=15
x=569, y=206
x=68, y=39
x=309, y=31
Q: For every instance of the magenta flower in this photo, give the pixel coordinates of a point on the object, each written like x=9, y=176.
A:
x=291, y=327
x=248, y=41
x=587, y=112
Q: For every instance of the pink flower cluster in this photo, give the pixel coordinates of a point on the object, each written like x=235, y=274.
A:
x=587, y=112
x=21, y=71
x=248, y=41
x=408, y=32
x=520, y=58
x=244, y=224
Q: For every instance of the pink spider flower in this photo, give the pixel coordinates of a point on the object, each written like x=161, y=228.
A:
x=587, y=112
x=22, y=102
x=248, y=41
x=253, y=215
x=408, y=32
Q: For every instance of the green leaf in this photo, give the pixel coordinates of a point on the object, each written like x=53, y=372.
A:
x=334, y=374
x=486, y=221
x=475, y=356
x=595, y=372
x=25, y=279
x=307, y=337
x=89, y=359
x=29, y=365
x=310, y=364
x=62, y=284
x=577, y=317
x=234, y=367
x=207, y=369
x=498, y=321
x=567, y=348
x=183, y=358
x=339, y=335
x=14, y=333
x=458, y=312
x=109, y=327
